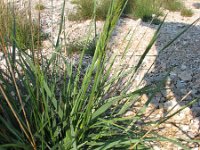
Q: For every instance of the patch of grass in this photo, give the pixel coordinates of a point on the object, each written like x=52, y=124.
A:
x=16, y=27
x=172, y=5
x=136, y=8
x=143, y=9
x=78, y=47
x=186, y=12
x=85, y=9
x=40, y=6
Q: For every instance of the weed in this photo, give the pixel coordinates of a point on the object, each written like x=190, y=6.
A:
x=40, y=6
x=85, y=9
x=143, y=9
x=172, y=5
x=16, y=27
x=186, y=12
x=78, y=47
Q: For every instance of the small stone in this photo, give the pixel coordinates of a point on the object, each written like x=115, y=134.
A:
x=129, y=113
x=183, y=67
x=170, y=104
x=180, y=84
x=185, y=76
x=184, y=127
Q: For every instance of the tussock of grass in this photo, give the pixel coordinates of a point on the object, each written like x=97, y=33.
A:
x=186, y=12
x=143, y=9
x=16, y=27
x=54, y=106
x=172, y=5
x=85, y=9
x=78, y=47
x=40, y=6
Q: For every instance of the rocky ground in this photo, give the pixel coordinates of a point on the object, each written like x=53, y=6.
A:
x=182, y=58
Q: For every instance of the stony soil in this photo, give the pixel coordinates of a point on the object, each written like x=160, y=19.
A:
x=182, y=58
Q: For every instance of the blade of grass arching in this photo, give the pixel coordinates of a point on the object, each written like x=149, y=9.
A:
x=45, y=86
x=154, y=38
x=109, y=102
x=172, y=41
x=165, y=119
x=94, y=17
x=14, y=35
x=93, y=94
x=129, y=41
x=59, y=33
x=143, y=109
x=17, y=145
x=181, y=33
x=8, y=61
x=148, y=48
x=122, y=142
x=16, y=115
x=97, y=79
x=61, y=23
x=100, y=49
x=123, y=55
x=128, y=104
x=77, y=78
x=171, y=140
x=10, y=127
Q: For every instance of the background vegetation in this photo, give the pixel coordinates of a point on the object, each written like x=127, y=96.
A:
x=143, y=9
x=15, y=27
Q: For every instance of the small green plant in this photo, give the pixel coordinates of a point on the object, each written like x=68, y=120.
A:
x=135, y=8
x=85, y=9
x=15, y=27
x=172, y=5
x=143, y=9
x=78, y=47
x=39, y=6
x=186, y=12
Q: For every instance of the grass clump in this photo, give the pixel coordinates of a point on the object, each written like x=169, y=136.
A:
x=186, y=12
x=78, y=47
x=135, y=8
x=172, y=5
x=51, y=106
x=39, y=6
x=143, y=9
x=176, y=5
x=15, y=27
x=85, y=9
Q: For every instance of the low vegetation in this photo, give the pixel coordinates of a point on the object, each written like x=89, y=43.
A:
x=39, y=6
x=53, y=106
x=186, y=12
x=172, y=5
x=86, y=11
x=78, y=47
x=143, y=9
x=15, y=27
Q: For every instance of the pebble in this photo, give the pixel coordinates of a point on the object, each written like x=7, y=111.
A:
x=185, y=76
